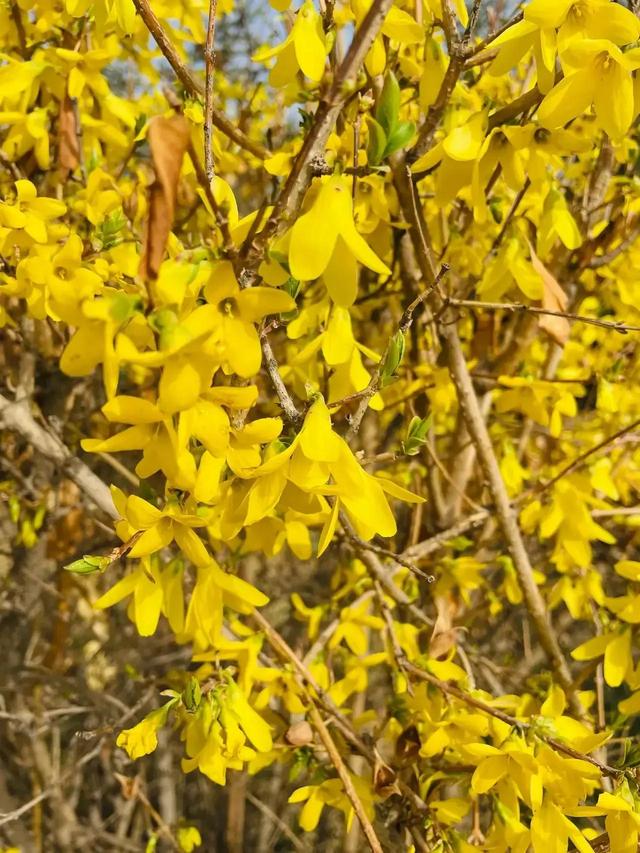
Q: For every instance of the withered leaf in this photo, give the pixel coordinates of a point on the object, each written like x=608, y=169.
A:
x=408, y=745
x=168, y=140
x=68, y=144
x=553, y=299
x=384, y=778
x=444, y=635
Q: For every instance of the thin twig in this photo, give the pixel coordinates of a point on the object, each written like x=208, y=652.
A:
x=452, y=690
x=470, y=410
x=345, y=778
x=614, y=325
x=192, y=86
x=292, y=414
x=277, y=820
x=579, y=460
x=376, y=378
x=210, y=61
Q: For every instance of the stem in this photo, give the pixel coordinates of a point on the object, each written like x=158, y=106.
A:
x=210, y=60
x=470, y=408
x=345, y=777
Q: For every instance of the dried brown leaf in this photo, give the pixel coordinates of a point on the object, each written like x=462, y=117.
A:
x=168, y=140
x=384, y=778
x=444, y=635
x=553, y=299
x=408, y=745
x=68, y=144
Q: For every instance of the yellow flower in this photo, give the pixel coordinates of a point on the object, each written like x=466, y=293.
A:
x=142, y=739
x=161, y=527
x=304, y=48
x=94, y=341
x=29, y=131
x=324, y=241
x=29, y=213
x=237, y=312
x=188, y=838
x=597, y=73
x=331, y=793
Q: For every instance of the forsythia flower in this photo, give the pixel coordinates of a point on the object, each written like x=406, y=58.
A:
x=142, y=739
x=596, y=72
x=324, y=241
x=304, y=48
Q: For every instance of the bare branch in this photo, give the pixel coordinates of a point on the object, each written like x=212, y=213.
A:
x=210, y=59
x=17, y=417
x=193, y=87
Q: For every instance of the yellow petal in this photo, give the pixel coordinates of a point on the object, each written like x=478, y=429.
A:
x=317, y=439
x=179, y=385
x=131, y=410
x=313, y=238
x=308, y=39
x=571, y=97
x=153, y=539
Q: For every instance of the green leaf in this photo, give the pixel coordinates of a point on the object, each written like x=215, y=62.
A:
x=192, y=694
x=377, y=142
x=388, y=107
x=400, y=137
x=87, y=565
x=392, y=359
x=417, y=434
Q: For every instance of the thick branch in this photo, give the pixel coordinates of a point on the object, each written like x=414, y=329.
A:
x=468, y=401
x=18, y=418
x=290, y=198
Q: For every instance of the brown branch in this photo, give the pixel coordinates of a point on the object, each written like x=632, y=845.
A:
x=603, y=260
x=303, y=169
x=614, y=325
x=470, y=408
x=345, y=778
x=520, y=105
x=210, y=60
x=452, y=690
x=292, y=414
x=193, y=86
x=434, y=543
x=18, y=418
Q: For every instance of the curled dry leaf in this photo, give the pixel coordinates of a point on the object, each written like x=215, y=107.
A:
x=384, y=778
x=408, y=745
x=444, y=635
x=68, y=143
x=553, y=299
x=168, y=141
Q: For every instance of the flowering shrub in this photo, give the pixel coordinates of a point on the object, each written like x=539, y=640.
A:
x=390, y=345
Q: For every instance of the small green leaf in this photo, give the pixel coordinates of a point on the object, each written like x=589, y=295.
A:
x=417, y=434
x=192, y=694
x=393, y=358
x=87, y=565
x=377, y=142
x=400, y=137
x=388, y=107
